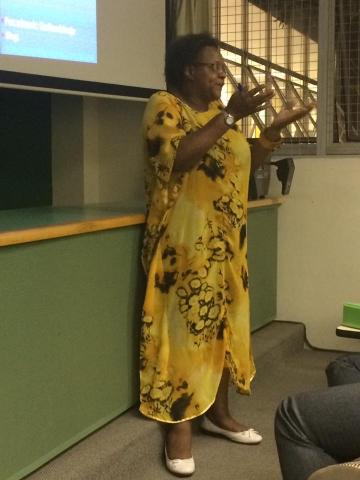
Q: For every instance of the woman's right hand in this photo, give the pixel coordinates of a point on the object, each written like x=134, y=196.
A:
x=243, y=102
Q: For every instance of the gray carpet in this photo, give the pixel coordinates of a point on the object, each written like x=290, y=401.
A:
x=131, y=447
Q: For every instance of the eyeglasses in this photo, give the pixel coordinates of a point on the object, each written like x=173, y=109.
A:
x=216, y=67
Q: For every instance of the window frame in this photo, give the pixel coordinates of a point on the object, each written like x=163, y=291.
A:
x=325, y=144
x=326, y=86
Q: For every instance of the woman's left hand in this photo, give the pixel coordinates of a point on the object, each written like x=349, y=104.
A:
x=286, y=116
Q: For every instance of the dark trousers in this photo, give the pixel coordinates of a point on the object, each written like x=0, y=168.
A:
x=317, y=429
x=344, y=370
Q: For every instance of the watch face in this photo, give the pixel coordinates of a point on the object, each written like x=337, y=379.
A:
x=229, y=119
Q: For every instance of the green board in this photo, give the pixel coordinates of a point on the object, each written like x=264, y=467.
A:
x=70, y=311
x=262, y=258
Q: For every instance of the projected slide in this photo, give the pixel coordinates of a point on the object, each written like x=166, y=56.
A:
x=53, y=29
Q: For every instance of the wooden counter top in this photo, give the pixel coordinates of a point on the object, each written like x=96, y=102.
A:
x=265, y=202
x=44, y=223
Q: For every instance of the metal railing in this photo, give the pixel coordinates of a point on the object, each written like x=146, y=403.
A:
x=289, y=86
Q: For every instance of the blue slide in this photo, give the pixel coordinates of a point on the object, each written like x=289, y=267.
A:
x=53, y=29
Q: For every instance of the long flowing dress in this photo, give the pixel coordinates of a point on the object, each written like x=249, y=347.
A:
x=196, y=311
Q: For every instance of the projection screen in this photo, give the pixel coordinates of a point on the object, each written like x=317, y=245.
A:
x=104, y=47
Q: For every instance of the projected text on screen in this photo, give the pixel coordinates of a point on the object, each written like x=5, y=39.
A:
x=58, y=30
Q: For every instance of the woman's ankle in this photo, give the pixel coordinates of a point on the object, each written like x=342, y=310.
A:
x=218, y=414
x=223, y=419
x=178, y=438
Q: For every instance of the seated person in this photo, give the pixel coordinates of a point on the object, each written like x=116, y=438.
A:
x=344, y=370
x=314, y=430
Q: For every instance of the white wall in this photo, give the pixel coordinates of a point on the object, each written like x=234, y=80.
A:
x=319, y=247
x=67, y=144
x=121, y=164
x=97, y=151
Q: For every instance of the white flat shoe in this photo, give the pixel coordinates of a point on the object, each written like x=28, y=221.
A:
x=250, y=436
x=182, y=467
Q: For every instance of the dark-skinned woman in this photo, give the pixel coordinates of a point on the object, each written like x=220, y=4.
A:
x=195, y=326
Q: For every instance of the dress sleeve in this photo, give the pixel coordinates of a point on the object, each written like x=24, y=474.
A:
x=163, y=129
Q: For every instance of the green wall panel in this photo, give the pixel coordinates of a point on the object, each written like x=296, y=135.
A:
x=262, y=258
x=69, y=311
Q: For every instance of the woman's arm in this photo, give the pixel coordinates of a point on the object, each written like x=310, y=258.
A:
x=262, y=147
x=241, y=104
x=194, y=146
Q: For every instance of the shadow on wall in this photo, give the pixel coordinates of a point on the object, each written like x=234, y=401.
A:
x=25, y=167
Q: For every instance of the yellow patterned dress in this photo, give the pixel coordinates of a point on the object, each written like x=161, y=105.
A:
x=196, y=310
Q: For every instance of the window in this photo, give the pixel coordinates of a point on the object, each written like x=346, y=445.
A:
x=306, y=50
x=346, y=56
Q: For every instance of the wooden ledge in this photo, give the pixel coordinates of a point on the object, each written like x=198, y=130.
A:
x=265, y=202
x=15, y=237
x=81, y=226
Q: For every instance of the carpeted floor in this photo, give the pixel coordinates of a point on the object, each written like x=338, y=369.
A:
x=131, y=447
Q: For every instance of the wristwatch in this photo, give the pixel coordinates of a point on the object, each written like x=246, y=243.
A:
x=229, y=119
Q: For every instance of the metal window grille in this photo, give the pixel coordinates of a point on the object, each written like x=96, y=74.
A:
x=346, y=58
x=273, y=42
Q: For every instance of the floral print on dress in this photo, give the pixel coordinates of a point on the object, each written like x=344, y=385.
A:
x=195, y=316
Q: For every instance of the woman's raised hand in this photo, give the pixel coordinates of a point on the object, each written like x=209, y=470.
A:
x=285, y=117
x=291, y=113
x=245, y=102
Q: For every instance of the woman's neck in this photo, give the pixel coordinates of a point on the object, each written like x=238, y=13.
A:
x=191, y=99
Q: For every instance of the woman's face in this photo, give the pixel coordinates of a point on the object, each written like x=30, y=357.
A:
x=207, y=74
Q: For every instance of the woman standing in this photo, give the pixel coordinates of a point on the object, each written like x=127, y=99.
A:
x=195, y=326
